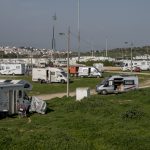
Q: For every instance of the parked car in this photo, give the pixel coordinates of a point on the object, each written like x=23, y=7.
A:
x=137, y=69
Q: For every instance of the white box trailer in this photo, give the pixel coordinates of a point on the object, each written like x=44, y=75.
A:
x=49, y=75
x=89, y=71
x=12, y=69
x=117, y=84
x=12, y=92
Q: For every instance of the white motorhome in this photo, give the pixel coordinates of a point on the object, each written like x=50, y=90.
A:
x=99, y=66
x=88, y=71
x=49, y=75
x=143, y=64
x=117, y=84
x=60, y=63
x=11, y=93
x=14, y=69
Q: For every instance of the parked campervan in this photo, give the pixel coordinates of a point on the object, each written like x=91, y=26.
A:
x=13, y=92
x=143, y=64
x=99, y=66
x=14, y=69
x=49, y=75
x=117, y=84
x=88, y=71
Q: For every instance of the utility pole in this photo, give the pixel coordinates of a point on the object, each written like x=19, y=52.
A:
x=78, y=30
x=67, y=36
x=53, y=36
x=106, y=49
x=68, y=50
x=131, y=57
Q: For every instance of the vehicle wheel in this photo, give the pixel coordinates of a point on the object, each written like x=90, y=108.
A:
x=62, y=81
x=13, y=74
x=42, y=81
x=98, y=76
x=104, y=92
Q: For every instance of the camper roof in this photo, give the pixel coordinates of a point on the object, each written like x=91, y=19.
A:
x=7, y=83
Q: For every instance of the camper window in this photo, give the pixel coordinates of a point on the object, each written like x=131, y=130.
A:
x=20, y=94
x=52, y=73
x=7, y=67
x=84, y=70
x=17, y=67
x=129, y=82
x=110, y=83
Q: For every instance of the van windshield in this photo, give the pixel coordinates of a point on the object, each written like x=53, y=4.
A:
x=104, y=81
x=64, y=74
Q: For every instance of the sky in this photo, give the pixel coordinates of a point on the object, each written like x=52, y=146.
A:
x=30, y=23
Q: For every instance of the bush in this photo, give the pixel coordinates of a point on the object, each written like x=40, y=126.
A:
x=132, y=113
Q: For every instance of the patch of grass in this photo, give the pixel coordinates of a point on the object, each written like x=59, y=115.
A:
x=99, y=123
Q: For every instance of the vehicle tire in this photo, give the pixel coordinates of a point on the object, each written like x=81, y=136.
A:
x=98, y=76
x=62, y=81
x=104, y=92
x=42, y=81
x=13, y=74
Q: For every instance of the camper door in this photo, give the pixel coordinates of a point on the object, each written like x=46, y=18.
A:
x=53, y=76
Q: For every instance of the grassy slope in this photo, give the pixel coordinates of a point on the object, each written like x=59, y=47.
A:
x=100, y=122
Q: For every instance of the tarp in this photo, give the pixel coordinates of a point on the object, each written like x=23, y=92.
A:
x=38, y=105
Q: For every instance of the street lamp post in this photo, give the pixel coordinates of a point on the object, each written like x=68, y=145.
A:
x=68, y=49
x=131, y=57
x=78, y=30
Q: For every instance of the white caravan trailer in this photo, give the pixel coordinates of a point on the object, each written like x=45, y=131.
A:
x=89, y=72
x=14, y=69
x=49, y=75
x=117, y=84
x=11, y=93
x=143, y=64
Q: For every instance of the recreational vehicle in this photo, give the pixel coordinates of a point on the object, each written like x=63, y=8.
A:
x=99, y=66
x=143, y=64
x=14, y=69
x=117, y=84
x=60, y=63
x=89, y=72
x=49, y=75
x=13, y=92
